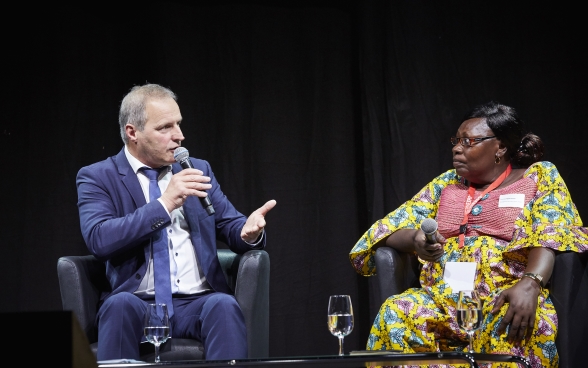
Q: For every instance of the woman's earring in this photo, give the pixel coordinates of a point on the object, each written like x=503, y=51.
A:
x=497, y=159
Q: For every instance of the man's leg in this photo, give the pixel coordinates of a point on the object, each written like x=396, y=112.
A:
x=120, y=327
x=216, y=320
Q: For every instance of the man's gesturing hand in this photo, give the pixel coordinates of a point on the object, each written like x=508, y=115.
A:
x=256, y=222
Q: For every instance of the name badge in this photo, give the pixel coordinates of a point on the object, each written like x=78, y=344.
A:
x=511, y=200
x=460, y=275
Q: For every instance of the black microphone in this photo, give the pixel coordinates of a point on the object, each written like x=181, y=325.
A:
x=429, y=227
x=182, y=156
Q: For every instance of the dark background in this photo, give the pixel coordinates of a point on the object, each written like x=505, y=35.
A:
x=339, y=110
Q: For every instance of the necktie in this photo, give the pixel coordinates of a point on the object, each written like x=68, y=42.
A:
x=160, y=252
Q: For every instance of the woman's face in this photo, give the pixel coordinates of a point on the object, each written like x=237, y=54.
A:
x=477, y=163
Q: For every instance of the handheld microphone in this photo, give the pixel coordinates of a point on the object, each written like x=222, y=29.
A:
x=429, y=227
x=182, y=156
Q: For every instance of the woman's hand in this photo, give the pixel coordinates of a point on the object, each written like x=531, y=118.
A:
x=427, y=251
x=522, y=301
x=413, y=240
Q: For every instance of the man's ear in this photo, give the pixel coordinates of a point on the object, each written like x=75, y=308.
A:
x=131, y=132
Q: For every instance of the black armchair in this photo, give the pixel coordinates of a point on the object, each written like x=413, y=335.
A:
x=82, y=279
x=568, y=287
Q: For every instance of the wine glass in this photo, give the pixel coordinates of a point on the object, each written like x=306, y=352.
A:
x=469, y=313
x=156, y=326
x=340, y=317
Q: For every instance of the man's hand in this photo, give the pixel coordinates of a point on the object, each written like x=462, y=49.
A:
x=188, y=182
x=522, y=301
x=256, y=222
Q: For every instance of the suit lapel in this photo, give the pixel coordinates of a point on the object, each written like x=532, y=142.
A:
x=129, y=179
x=131, y=183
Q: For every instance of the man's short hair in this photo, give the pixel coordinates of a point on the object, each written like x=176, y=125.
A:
x=133, y=106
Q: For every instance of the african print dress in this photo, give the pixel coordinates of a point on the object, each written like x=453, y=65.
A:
x=498, y=238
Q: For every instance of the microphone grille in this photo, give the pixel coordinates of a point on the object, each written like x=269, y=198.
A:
x=180, y=154
x=429, y=226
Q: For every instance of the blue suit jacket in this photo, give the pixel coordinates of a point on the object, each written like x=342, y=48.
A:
x=118, y=225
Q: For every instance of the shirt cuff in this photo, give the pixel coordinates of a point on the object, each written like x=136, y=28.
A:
x=165, y=208
x=259, y=239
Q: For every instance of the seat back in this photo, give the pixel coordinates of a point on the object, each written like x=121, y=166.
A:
x=82, y=279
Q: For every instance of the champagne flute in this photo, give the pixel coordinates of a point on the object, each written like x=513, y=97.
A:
x=340, y=317
x=156, y=326
x=469, y=313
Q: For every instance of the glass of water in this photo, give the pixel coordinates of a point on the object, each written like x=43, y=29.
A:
x=340, y=317
x=469, y=314
x=156, y=326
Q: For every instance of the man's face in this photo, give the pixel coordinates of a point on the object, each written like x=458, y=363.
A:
x=155, y=145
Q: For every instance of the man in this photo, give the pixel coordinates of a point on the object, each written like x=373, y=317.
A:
x=154, y=235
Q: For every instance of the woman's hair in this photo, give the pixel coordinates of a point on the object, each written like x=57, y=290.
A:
x=522, y=149
x=133, y=106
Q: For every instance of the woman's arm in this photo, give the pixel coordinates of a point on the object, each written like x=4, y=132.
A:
x=522, y=298
x=408, y=217
x=541, y=261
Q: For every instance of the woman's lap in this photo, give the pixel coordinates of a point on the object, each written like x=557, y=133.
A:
x=412, y=322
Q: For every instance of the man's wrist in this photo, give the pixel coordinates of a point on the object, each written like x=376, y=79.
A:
x=256, y=241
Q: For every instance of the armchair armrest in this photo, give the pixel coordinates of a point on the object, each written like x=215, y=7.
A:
x=248, y=275
x=397, y=272
x=568, y=290
x=81, y=280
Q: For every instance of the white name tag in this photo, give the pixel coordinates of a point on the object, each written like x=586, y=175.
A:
x=511, y=200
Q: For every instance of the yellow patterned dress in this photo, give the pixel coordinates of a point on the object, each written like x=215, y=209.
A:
x=498, y=239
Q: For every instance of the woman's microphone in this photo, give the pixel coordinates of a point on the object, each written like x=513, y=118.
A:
x=429, y=227
x=182, y=156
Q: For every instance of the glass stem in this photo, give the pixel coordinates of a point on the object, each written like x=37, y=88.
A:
x=156, y=353
x=471, y=347
x=340, y=345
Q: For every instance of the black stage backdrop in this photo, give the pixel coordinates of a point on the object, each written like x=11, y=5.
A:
x=339, y=110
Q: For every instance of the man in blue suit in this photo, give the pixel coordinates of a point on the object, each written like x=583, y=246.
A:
x=125, y=215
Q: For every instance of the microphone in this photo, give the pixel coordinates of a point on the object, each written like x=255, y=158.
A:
x=429, y=227
x=182, y=156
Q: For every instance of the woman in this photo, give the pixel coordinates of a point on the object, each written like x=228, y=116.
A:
x=514, y=213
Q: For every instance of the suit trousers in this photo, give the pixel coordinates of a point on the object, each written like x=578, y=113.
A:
x=213, y=318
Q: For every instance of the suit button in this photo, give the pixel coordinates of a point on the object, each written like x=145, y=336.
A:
x=137, y=276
